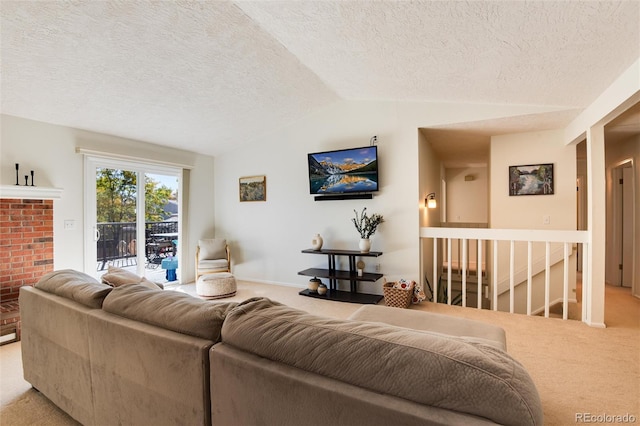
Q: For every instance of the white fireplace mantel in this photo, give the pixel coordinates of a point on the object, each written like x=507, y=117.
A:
x=30, y=192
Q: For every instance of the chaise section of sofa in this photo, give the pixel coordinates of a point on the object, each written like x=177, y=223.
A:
x=420, y=376
x=55, y=338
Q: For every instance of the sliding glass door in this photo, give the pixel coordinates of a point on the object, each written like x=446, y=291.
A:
x=115, y=229
x=161, y=225
x=132, y=218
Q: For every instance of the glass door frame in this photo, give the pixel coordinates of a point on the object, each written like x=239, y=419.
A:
x=91, y=164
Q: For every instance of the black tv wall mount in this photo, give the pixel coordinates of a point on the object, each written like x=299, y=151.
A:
x=343, y=197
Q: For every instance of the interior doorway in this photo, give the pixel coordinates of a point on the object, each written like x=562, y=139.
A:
x=581, y=221
x=623, y=226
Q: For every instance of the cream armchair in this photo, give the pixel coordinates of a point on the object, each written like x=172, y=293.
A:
x=212, y=255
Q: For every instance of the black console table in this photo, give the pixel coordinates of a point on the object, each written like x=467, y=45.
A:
x=334, y=275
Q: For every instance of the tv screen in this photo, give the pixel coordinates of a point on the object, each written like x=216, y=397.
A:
x=344, y=171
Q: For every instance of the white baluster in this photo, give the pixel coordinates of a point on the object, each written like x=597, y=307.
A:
x=479, y=273
x=529, y=270
x=565, y=293
x=495, y=275
x=449, y=272
x=464, y=272
x=512, y=292
x=435, y=270
x=547, y=277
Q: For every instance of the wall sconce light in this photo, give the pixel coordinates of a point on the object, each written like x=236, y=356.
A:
x=430, y=201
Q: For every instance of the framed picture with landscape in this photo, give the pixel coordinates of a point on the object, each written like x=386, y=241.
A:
x=532, y=179
x=253, y=188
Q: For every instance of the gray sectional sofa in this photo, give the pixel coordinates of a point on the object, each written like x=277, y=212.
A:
x=134, y=355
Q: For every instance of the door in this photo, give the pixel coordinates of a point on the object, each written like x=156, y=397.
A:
x=627, y=227
x=161, y=225
x=581, y=216
x=131, y=216
x=116, y=212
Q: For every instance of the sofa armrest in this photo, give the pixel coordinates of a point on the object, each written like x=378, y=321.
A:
x=55, y=350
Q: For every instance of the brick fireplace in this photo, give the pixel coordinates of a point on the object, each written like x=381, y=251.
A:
x=26, y=243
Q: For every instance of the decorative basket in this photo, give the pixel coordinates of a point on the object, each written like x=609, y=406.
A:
x=397, y=297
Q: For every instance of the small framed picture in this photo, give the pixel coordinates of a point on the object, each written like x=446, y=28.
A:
x=253, y=188
x=532, y=179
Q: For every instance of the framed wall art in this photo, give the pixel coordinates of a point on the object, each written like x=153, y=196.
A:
x=532, y=179
x=253, y=188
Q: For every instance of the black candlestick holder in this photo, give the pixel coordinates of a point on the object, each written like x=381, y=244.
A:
x=17, y=168
x=32, y=178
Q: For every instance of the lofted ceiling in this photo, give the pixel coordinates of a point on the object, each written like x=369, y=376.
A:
x=209, y=76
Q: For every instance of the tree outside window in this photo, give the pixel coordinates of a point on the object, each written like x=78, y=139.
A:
x=116, y=197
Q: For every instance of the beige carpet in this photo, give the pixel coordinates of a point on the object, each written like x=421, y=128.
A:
x=578, y=370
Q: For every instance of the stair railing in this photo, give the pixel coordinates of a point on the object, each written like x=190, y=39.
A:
x=568, y=239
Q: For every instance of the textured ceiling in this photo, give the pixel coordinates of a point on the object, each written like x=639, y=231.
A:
x=209, y=76
x=459, y=51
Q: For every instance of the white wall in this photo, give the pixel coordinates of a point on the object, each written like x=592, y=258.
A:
x=467, y=201
x=527, y=211
x=430, y=172
x=266, y=238
x=50, y=151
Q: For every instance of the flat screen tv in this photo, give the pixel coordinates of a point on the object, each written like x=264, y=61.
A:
x=344, y=171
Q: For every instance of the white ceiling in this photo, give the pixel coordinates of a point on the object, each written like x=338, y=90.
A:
x=209, y=76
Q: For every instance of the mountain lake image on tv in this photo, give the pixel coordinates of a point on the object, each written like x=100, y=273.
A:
x=344, y=171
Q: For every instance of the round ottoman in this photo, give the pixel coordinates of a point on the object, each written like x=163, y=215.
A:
x=216, y=286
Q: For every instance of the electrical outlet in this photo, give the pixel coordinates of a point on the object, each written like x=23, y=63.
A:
x=69, y=225
x=546, y=219
x=377, y=267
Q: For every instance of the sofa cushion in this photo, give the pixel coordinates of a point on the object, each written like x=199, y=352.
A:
x=213, y=264
x=74, y=285
x=214, y=248
x=429, y=368
x=116, y=277
x=171, y=310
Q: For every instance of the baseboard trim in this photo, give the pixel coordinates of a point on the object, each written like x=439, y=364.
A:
x=596, y=324
x=256, y=280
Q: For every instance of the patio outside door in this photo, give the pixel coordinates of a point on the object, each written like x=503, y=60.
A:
x=121, y=230
x=115, y=230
